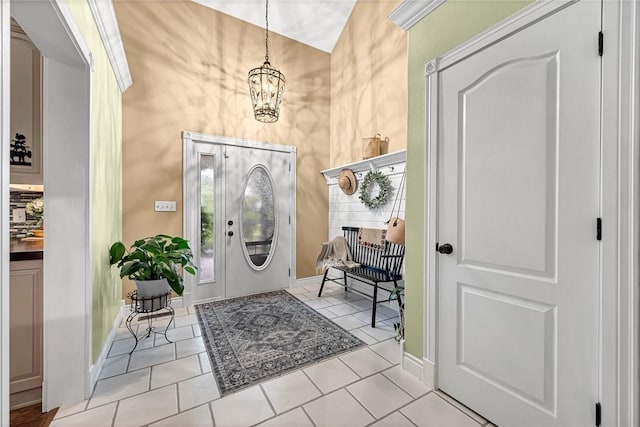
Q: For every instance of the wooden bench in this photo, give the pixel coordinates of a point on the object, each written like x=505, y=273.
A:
x=376, y=267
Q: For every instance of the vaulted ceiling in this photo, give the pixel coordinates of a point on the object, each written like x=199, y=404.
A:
x=317, y=23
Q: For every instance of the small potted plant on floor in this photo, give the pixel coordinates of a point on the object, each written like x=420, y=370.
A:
x=154, y=263
x=398, y=294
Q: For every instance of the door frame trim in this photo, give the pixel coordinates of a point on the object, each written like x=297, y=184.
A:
x=188, y=218
x=67, y=293
x=5, y=85
x=619, y=307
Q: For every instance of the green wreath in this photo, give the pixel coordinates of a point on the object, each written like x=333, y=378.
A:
x=384, y=184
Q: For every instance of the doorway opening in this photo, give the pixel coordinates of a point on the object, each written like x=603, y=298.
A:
x=66, y=145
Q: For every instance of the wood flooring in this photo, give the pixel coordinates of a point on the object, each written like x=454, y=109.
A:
x=31, y=416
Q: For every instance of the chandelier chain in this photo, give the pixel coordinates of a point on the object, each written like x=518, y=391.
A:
x=266, y=40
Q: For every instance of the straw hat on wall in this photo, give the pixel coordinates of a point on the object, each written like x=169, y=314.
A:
x=347, y=181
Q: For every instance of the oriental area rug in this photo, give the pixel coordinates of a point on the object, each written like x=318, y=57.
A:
x=250, y=339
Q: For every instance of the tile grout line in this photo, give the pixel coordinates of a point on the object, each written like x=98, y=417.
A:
x=399, y=385
x=279, y=415
x=351, y=369
x=115, y=414
x=413, y=401
x=360, y=403
x=314, y=384
x=460, y=410
x=140, y=394
x=304, y=411
x=133, y=395
x=200, y=365
x=150, y=366
x=397, y=411
x=150, y=376
x=174, y=415
x=213, y=418
x=178, y=397
x=268, y=401
x=328, y=393
x=382, y=355
x=406, y=418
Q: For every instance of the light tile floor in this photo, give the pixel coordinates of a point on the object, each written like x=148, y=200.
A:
x=163, y=384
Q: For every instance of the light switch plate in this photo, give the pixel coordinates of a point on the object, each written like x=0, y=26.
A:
x=19, y=215
x=165, y=206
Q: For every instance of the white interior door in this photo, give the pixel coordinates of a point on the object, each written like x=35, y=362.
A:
x=238, y=205
x=258, y=220
x=519, y=174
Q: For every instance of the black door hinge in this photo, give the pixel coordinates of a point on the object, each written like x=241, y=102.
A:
x=598, y=228
x=598, y=414
x=600, y=43
x=289, y=272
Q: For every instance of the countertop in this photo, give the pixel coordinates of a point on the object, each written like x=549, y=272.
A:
x=25, y=249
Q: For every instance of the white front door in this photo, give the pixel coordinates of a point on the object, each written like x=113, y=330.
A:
x=518, y=185
x=258, y=231
x=237, y=212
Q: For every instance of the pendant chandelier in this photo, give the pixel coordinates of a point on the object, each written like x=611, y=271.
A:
x=266, y=85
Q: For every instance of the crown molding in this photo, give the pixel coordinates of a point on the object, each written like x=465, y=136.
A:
x=107, y=23
x=410, y=12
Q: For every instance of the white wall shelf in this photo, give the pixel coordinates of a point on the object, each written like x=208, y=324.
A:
x=348, y=210
x=363, y=166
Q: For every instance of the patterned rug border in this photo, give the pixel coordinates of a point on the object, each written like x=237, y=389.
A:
x=216, y=370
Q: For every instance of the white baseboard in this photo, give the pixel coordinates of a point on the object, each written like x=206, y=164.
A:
x=94, y=370
x=308, y=281
x=412, y=365
x=428, y=372
x=422, y=369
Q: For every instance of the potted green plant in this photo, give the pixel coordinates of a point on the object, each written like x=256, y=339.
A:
x=154, y=263
x=35, y=208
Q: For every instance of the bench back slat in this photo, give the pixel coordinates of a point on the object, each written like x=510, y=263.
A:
x=372, y=258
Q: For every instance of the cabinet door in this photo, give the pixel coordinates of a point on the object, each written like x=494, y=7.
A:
x=26, y=108
x=25, y=338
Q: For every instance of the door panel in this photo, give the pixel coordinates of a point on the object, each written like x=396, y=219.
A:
x=518, y=185
x=496, y=165
x=258, y=243
x=517, y=356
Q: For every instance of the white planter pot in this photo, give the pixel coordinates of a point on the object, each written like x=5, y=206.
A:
x=150, y=289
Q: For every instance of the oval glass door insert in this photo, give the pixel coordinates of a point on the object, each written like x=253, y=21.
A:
x=259, y=218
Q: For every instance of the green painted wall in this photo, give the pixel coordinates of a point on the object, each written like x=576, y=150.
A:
x=448, y=26
x=106, y=164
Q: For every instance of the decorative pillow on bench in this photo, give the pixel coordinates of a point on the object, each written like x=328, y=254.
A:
x=372, y=238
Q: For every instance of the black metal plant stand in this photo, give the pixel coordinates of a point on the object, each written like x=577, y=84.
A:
x=150, y=306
